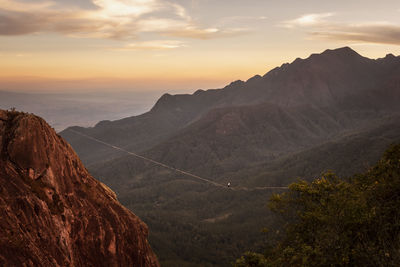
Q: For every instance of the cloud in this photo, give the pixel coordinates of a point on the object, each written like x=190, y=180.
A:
x=365, y=33
x=240, y=20
x=307, y=20
x=318, y=27
x=205, y=34
x=32, y=6
x=15, y=23
x=152, y=45
x=84, y=4
x=114, y=19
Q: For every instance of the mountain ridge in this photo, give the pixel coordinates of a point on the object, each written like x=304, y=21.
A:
x=287, y=86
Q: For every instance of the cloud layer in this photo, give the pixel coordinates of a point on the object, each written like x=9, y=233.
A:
x=318, y=26
x=152, y=45
x=114, y=19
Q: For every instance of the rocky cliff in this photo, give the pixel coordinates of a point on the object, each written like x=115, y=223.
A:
x=52, y=211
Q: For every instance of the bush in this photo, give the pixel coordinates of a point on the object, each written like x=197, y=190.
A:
x=339, y=222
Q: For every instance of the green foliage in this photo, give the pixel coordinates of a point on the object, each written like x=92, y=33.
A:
x=251, y=259
x=339, y=222
x=175, y=208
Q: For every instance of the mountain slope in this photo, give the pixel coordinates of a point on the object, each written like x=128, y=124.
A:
x=186, y=215
x=346, y=154
x=229, y=139
x=54, y=213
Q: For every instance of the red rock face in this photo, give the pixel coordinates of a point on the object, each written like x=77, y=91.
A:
x=53, y=212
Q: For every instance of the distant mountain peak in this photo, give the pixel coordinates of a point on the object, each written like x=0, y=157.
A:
x=344, y=53
x=254, y=78
x=390, y=55
x=235, y=83
x=340, y=50
x=163, y=101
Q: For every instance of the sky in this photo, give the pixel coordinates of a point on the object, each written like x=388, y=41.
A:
x=178, y=45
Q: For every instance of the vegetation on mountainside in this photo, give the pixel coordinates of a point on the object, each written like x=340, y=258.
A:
x=176, y=208
x=339, y=222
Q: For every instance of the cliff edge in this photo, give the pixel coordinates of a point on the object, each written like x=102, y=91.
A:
x=53, y=212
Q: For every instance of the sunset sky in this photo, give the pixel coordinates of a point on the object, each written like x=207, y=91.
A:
x=178, y=44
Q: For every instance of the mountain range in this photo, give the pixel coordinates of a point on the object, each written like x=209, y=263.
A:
x=337, y=81
x=335, y=110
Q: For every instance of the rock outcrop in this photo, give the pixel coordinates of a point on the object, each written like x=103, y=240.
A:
x=52, y=211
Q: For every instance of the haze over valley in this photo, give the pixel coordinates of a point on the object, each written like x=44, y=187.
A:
x=62, y=110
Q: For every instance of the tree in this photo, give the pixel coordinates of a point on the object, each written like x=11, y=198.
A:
x=339, y=222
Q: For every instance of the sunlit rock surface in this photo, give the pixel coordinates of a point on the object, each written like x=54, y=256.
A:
x=53, y=212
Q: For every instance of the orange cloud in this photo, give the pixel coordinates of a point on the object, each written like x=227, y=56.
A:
x=115, y=19
x=378, y=33
x=152, y=45
x=319, y=27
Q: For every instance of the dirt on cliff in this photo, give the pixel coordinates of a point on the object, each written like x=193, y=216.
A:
x=52, y=211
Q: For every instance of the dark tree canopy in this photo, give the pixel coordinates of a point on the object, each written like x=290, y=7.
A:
x=339, y=222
